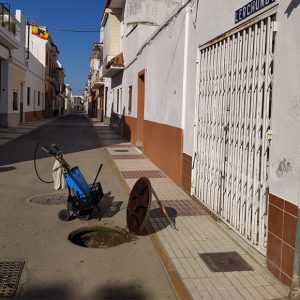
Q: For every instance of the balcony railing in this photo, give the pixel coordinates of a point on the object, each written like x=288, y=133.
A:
x=97, y=81
x=7, y=20
x=97, y=77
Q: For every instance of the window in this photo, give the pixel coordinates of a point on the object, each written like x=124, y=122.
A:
x=129, y=99
x=28, y=95
x=39, y=98
x=15, y=100
x=34, y=99
x=118, y=100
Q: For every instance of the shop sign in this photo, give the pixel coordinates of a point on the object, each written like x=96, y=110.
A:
x=251, y=8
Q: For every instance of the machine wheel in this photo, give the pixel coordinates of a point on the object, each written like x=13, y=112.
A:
x=64, y=215
x=84, y=215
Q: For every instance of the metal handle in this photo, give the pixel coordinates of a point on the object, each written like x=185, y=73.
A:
x=172, y=222
x=100, y=167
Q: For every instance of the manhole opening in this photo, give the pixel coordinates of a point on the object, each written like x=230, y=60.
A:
x=225, y=262
x=50, y=199
x=100, y=237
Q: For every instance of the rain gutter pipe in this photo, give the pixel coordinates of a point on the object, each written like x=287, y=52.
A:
x=185, y=62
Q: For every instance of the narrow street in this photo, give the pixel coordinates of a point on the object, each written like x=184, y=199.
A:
x=190, y=109
x=31, y=232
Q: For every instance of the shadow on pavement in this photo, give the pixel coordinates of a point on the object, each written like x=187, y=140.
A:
x=161, y=223
x=54, y=291
x=108, y=208
x=71, y=134
x=121, y=292
x=112, y=291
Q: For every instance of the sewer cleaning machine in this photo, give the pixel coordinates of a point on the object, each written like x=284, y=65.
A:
x=82, y=197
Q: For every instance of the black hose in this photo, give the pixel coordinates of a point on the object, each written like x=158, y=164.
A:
x=34, y=162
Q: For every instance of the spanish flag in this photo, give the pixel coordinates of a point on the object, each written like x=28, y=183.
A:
x=39, y=31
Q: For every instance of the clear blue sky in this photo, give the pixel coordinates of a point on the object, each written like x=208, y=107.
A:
x=74, y=48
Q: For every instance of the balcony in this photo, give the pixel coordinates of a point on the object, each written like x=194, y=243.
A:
x=97, y=80
x=51, y=78
x=113, y=66
x=8, y=25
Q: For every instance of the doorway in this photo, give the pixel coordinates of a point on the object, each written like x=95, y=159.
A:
x=140, y=109
x=21, y=101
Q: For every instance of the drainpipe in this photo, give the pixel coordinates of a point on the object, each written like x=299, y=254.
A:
x=185, y=67
x=295, y=287
x=28, y=40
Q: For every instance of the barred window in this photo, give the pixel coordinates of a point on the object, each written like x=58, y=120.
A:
x=39, y=98
x=15, y=100
x=28, y=95
x=129, y=99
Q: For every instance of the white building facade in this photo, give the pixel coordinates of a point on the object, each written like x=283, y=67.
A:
x=10, y=41
x=77, y=102
x=16, y=74
x=24, y=66
x=211, y=95
x=35, y=76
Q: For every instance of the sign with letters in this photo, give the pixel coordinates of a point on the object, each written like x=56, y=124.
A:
x=250, y=8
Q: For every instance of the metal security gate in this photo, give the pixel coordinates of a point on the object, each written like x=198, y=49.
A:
x=232, y=128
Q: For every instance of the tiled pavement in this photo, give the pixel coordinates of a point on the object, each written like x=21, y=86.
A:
x=198, y=232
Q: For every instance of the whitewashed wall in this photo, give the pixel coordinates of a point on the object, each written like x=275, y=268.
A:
x=134, y=40
x=35, y=76
x=19, y=54
x=207, y=20
x=162, y=60
x=285, y=146
x=17, y=69
x=215, y=18
x=37, y=47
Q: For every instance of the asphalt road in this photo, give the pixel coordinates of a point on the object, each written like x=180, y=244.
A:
x=54, y=267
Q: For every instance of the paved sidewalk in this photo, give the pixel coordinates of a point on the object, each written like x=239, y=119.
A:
x=198, y=234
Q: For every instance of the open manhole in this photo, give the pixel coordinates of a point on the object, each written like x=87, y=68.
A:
x=137, y=213
x=100, y=237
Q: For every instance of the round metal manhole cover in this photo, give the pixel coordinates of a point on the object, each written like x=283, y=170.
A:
x=139, y=205
x=50, y=199
x=100, y=237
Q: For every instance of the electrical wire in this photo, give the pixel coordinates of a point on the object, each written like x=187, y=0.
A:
x=157, y=32
x=72, y=30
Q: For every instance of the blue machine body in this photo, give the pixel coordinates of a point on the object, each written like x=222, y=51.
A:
x=77, y=184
